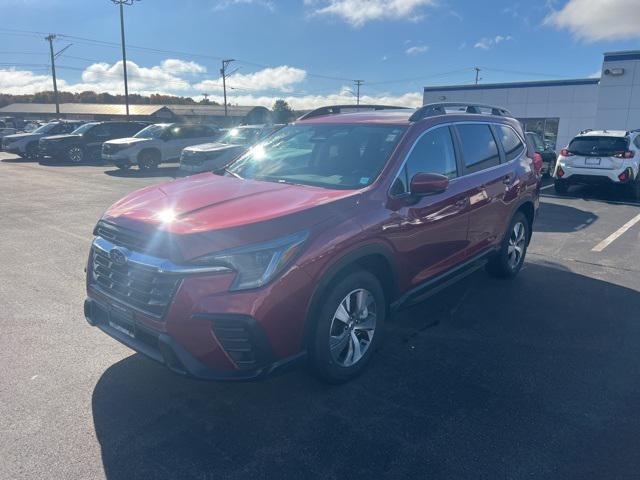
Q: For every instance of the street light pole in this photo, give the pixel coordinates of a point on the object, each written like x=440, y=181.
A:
x=358, y=83
x=121, y=4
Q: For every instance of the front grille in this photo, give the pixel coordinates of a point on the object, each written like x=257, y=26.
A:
x=133, y=240
x=192, y=158
x=136, y=285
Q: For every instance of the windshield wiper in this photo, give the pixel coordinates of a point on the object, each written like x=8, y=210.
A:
x=226, y=170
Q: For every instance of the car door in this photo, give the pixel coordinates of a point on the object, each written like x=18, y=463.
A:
x=429, y=233
x=176, y=141
x=491, y=172
x=95, y=137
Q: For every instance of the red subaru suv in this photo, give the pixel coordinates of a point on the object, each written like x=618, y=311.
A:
x=304, y=246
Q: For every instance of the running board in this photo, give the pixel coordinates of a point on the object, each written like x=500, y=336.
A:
x=439, y=283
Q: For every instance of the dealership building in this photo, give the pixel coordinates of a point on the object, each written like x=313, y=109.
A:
x=559, y=109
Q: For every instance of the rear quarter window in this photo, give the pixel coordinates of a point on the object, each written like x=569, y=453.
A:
x=511, y=143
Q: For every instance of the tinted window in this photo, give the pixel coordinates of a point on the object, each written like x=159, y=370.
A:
x=598, y=146
x=536, y=141
x=511, y=142
x=101, y=130
x=433, y=153
x=478, y=147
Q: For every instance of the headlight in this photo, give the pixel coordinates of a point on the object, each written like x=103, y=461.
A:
x=257, y=264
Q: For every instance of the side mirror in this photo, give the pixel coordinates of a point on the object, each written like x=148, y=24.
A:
x=428, y=183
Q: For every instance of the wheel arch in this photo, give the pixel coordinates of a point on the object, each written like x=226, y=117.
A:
x=528, y=210
x=153, y=150
x=375, y=258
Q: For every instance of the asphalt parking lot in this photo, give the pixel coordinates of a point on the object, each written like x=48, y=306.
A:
x=534, y=378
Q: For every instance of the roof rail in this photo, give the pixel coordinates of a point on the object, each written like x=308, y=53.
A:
x=335, y=109
x=586, y=130
x=433, y=109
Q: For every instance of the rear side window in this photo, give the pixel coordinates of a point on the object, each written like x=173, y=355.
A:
x=598, y=146
x=479, y=148
x=511, y=143
x=432, y=153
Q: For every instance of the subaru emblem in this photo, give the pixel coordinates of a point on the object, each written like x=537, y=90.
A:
x=117, y=256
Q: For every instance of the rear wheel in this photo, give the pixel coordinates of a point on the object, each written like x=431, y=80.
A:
x=75, y=154
x=560, y=186
x=348, y=327
x=32, y=151
x=551, y=169
x=509, y=259
x=148, y=160
x=634, y=188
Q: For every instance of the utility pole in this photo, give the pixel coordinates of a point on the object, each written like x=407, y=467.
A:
x=205, y=98
x=50, y=39
x=223, y=73
x=358, y=83
x=477, y=69
x=121, y=3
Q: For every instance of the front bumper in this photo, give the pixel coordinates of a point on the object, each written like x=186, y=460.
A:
x=163, y=348
x=14, y=149
x=117, y=159
x=53, y=151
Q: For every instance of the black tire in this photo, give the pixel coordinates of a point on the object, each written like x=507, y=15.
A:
x=634, y=189
x=148, y=160
x=327, y=365
x=32, y=151
x=560, y=186
x=550, y=170
x=75, y=154
x=502, y=265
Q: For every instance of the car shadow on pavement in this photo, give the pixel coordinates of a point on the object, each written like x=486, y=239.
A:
x=553, y=217
x=136, y=173
x=535, y=377
x=604, y=193
x=54, y=162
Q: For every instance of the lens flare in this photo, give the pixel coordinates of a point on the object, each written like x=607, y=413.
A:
x=167, y=215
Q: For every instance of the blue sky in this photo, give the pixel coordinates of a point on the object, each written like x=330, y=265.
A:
x=308, y=51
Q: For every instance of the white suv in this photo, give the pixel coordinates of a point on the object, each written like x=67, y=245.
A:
x=156, y=144
x=600, y=157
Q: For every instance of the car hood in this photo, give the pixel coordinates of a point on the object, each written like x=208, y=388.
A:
x=21, y=136
x=67, y=136
x=213, y=147
x=207, y=212
x=127, y=141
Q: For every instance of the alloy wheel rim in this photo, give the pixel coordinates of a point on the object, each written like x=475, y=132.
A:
x=515, y=249
x=75, y=154
x=352, y=327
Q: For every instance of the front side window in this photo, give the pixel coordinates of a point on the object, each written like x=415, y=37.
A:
x=329, y=156
x=511, y=142
x=152, y=131
x=479, y=148
x=81, y=130
x=46, y=128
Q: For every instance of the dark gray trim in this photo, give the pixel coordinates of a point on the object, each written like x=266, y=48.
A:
x=494, y=86
x=620, y=57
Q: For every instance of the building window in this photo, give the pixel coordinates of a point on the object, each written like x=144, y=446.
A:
x=547, y=128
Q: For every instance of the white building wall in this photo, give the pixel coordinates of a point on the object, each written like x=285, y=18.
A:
x=574, y=103
x=619, y=96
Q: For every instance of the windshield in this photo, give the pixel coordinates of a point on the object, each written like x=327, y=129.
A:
x=598, y=146
x=240, y=136
x=45, y=128
x=84, y=128
x=152, y=131
x=330, y=156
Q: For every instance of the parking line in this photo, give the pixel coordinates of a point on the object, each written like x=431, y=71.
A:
x=547, y=186
x=607, y=241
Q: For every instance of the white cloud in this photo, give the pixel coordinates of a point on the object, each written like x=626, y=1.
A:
x=223, y=4
x=596, y=74
x=277, y=78
x=416, y=50
x=172, y=76
x=593, y=20
x=359, y=12
x=487, y=43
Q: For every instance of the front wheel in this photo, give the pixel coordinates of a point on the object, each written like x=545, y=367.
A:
x=148, y=161
x=75, y=154
x=560, y=186
x=348, y=328
x=509, y=259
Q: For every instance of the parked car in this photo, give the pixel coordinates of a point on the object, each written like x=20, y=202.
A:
x=235, y=141
x=6, y=131
x=547, y=153
x=600, y=157
x=26, y=144
x=306, y=245
x=85, y=143
x=155, y=144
